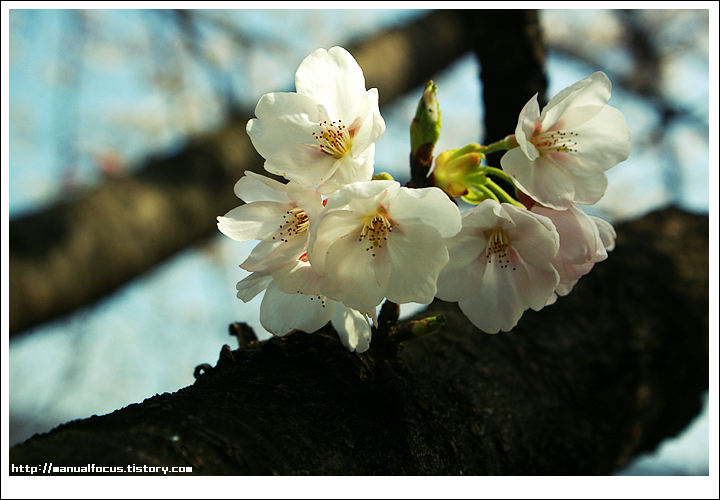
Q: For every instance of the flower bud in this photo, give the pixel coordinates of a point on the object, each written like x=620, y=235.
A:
x=425, y=127
x=427, y=325
x=453, y=167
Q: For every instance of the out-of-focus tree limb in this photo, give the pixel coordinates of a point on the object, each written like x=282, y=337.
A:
x=75, y=252
x=511, y=53
x=577, y=388
x=647, y=75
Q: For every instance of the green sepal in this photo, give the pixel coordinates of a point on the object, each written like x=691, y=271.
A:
x=382, y=176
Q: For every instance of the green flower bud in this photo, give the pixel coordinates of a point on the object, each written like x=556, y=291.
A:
x=425, y=127
x=453, y=167
x=427, y=325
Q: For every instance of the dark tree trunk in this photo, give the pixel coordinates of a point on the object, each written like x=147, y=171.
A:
x=577, y=388
x=511, y=53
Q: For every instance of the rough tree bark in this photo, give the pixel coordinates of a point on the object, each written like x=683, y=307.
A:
x=577, y=388
x=75, y=252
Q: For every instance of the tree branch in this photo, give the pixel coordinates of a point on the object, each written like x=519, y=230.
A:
x=75, y=252
x=511, y=52
x=577, y=388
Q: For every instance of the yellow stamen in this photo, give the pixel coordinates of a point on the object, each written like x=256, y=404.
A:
x=295, y=222
x=497, y=247
x=555, y=141
x=375, y=230
x=334, y=138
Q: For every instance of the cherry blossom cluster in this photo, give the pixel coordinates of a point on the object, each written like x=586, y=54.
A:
x=335, y=242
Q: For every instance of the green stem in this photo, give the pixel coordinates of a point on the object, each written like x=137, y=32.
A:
x=484, y=190
x=498, y=173
x=502, y=194
x=508, y=142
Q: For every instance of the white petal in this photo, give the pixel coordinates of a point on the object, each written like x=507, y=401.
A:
x=589, y=182
x=258, y=220
x=255, y=187
x=281, y=313
x=349, y=170
x=552, y=299
x=369, y=124
x=378, y=123
x=533, y=235
x=604, y=141
x=527, y=124
x=352, y=327
x=357, y=129
x=607, y=233
x=590, y=93
x=534, y=284
x=350, y=276
x=498, y=305
x=562, y=290
x=270, y=254
x=544, y=180
x=334, y=80
x=250, y=286
x=297, y=277
x=305, y=164
x=485, y=215
x=408, y=270
x=307, y=199
x=461, y=278
x=426, y=206
x=365, y=196
x=283, y=119
x=330, y=227
x=577, y=233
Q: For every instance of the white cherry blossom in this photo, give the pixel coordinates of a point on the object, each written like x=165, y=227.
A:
x=584, y=240
x=564, y=151
x=293, y=301
x=323, y=136
x=277, y=214
x=501, y=263
x=377, y=240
